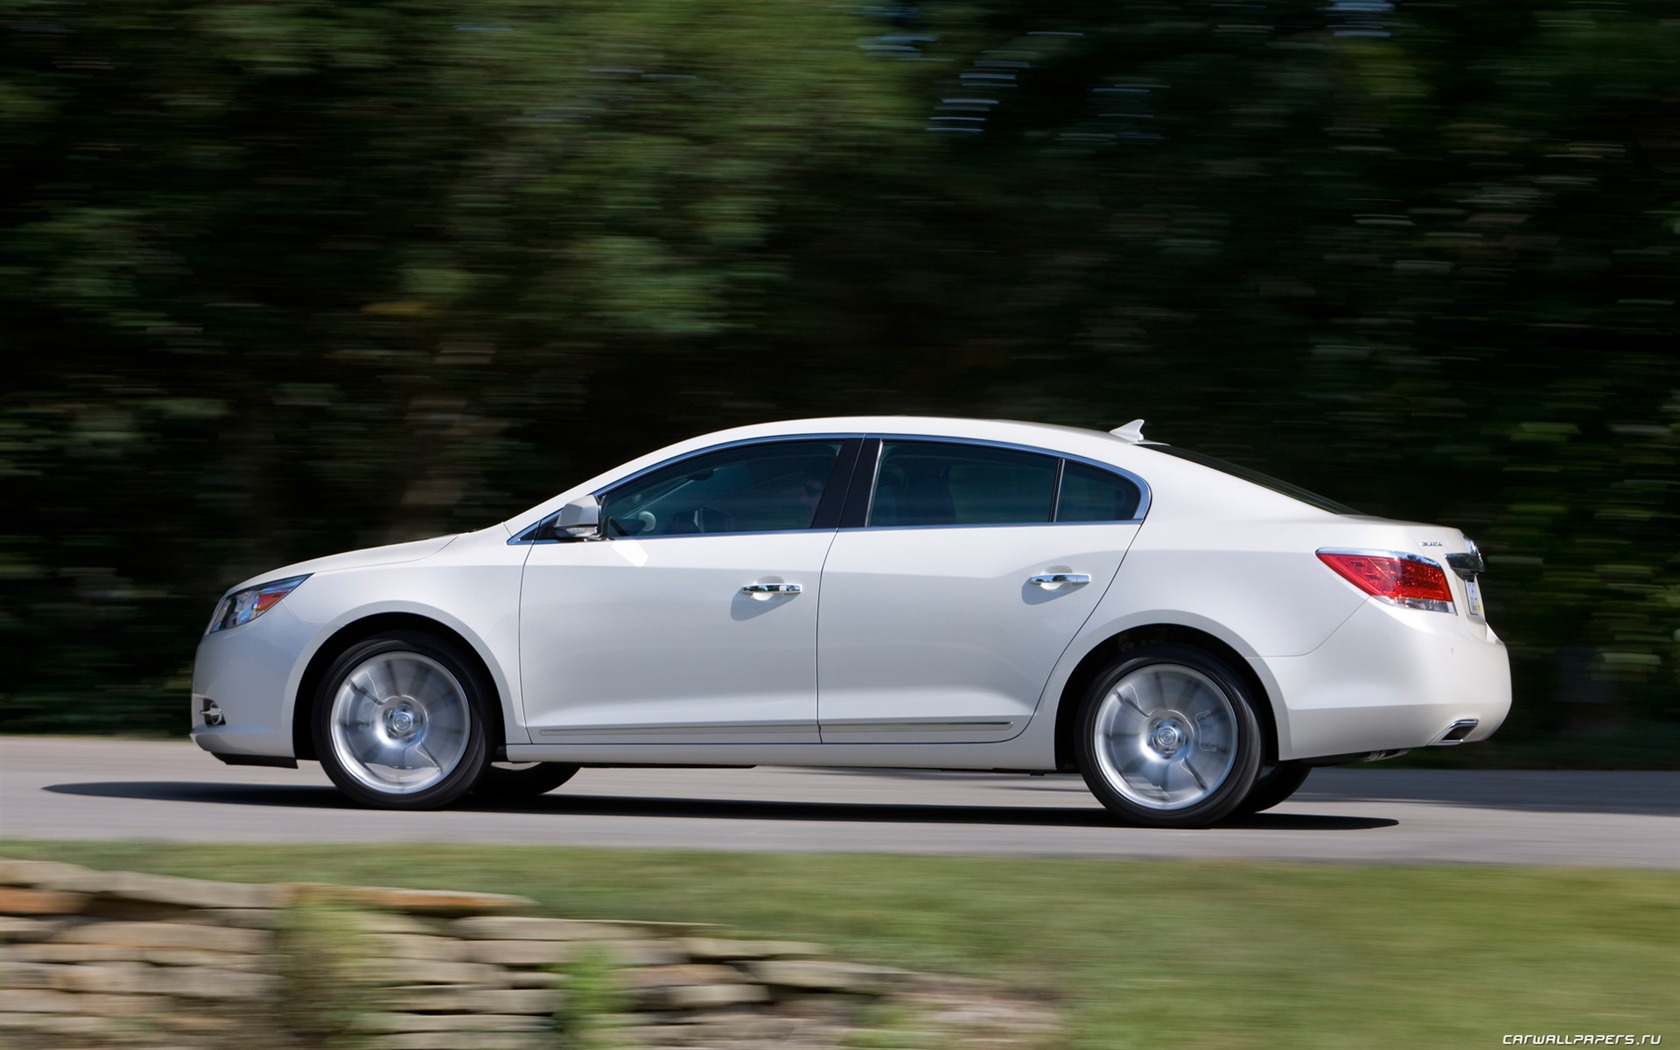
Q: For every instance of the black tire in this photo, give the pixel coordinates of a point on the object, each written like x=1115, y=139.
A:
x=1168, y=737
x=1274, y=784
x=399, y=722
x=511, y=782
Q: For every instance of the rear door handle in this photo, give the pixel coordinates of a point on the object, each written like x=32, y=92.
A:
x=770, y=590
x=1052, y=579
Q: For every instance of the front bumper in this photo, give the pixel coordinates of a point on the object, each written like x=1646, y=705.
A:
x=1390, y=679
x=251, y=673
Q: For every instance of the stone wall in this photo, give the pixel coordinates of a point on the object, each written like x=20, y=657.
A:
x=118, y=959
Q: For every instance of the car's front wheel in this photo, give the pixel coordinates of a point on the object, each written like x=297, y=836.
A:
x=399, y=722
x=1168, y=737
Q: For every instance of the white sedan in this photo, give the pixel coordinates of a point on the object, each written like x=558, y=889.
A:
x=1191, y=636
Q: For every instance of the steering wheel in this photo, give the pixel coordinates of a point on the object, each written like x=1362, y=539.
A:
x=711, y=519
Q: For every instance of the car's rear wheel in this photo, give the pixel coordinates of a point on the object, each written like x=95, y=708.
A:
x=399, y=722
x=525, y=780
x=1274, y=784
x=1168, y=737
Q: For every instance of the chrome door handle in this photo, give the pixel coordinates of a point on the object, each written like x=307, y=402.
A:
x=1051, y=579
x=767, y=589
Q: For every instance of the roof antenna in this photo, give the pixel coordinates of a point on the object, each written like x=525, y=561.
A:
x=1132, y=431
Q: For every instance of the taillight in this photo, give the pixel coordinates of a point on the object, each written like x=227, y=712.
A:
x=1399, y=579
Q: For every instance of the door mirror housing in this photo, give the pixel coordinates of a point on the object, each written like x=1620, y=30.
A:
x=579, y=520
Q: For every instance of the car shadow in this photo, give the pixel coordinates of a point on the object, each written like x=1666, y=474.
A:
x=622, y=806
x=1628, y=792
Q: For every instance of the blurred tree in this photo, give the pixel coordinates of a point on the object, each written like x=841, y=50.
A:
x=1422, y=258
x=288, y=277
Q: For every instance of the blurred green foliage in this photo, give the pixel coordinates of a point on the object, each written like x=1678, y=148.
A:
x=290, y=277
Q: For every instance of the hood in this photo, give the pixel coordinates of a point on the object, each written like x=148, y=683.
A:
x=390, y=554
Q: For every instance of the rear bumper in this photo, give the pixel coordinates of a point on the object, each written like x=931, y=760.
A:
x=1390, y=679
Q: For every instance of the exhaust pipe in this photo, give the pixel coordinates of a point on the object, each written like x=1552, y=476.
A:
x=1456, y=732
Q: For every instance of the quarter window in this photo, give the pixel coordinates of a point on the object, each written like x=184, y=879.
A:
x=755, y=488
x=1090, y=494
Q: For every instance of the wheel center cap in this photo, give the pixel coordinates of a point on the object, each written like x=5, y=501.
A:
x=1167, y=737
x=402, y=721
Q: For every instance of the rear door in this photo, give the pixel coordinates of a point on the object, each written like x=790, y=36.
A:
x=974, y=566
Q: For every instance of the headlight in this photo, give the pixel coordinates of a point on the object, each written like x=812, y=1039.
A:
x=250, y=603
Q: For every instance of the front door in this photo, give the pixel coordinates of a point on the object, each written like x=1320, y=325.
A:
x=695, y=619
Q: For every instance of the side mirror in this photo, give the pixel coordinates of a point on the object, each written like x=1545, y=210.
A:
x=579, y=520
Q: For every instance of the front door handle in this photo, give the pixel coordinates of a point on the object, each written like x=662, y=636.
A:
x=770, y=590
x=1052, y=579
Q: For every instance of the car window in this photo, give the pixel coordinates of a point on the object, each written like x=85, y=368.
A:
x=933, y=483
x=1249, y=474
x=1091, y=494
x=765, y=487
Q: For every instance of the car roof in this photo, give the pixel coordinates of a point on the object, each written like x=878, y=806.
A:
x=1047, y=435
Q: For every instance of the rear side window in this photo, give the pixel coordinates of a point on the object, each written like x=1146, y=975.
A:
x=1255, y=477
x=1089, y=494
x=921, y=483
x=932, y=483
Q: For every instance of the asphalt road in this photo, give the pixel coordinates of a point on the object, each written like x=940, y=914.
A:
x=61, y=788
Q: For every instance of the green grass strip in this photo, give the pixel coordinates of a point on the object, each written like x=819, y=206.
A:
x=1137, y=953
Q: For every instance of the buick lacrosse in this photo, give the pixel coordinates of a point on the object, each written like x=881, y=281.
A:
x=1190, y=636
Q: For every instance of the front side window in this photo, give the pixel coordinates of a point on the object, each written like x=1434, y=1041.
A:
x=934, y=483
x=767, y=487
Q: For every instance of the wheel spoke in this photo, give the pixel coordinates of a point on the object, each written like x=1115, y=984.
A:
x=1205, y=766
x=1124, y=720
x=1134, y=767
x=1176, y=691
x=430, y=687
x=378, y=752
x=1147, y=691
x=431, y=760
x=448, y=718
x=382, y=680
x=1160, y=782
x=1129, y=698
x=357, y=686
x=1191, y=769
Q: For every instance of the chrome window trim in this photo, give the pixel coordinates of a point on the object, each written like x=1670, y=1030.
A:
x=710, y=535
x=1003, y=525
x=1144, y=495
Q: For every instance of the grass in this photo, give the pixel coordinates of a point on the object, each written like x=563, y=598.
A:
x=1138, y=954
